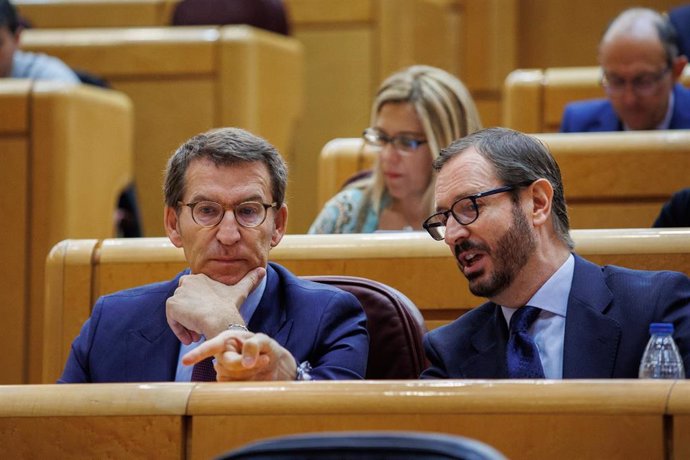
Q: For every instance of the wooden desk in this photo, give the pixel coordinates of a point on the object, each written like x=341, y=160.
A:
x=115, y=421
x=586, y=419
x=66, y=155
x=679, y=410
x=522, y=419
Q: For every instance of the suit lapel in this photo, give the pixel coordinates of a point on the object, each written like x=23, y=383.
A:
x=681, y=116
x=270, y=317
x=591, y=338
x=489, y=361
x=153, y=349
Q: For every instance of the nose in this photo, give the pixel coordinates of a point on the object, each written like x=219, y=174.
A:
x=628, y=96
x=228, y=230
x=389, y=151
x=455, y=232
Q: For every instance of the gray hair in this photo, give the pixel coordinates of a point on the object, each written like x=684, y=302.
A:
x=517, y=158
x=632, y=19
x=224, y=147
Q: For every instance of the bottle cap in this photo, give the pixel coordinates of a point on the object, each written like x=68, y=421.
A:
x=661, y=328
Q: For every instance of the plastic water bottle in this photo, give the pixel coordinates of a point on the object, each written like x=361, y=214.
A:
x=661, y=359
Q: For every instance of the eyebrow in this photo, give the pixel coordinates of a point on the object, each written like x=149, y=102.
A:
x=202, y=197
x=402, y=133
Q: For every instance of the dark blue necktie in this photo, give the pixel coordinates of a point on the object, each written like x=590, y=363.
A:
x=522, y=353
x=203, y=371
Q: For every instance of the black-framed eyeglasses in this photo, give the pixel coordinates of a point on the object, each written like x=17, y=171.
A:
x=642, y=85
x=248, y=214
x=404, y=144
x=464, y=211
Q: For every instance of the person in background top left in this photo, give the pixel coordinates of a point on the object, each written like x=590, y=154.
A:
x=15, y=63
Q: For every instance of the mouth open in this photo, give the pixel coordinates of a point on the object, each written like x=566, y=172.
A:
x=471, y=263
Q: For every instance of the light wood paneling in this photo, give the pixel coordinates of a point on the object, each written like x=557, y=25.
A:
x=64, y=172
x=184, y=81
x=522, y=420
x=611, y=180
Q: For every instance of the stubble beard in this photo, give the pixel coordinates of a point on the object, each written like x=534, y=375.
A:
x=510, y=255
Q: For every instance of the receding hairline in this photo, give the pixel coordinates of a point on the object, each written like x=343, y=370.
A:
x=635, y=23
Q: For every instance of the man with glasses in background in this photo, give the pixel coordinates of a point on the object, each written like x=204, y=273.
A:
x=232, y=315
x=551, y=314
x=640, y=66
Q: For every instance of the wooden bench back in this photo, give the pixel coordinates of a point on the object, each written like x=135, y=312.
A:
x=534, y=99
x=612, y=180
x=66, y=155
x=186, y=80
x=79, y=271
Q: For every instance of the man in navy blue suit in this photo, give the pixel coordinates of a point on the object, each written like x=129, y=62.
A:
x=232, y=315
x=502, y=212
x=641, y=66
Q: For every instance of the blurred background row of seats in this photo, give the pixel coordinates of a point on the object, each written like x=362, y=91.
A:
x=351, y=45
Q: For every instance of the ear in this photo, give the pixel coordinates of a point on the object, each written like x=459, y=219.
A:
x=279, y=225
x=172, y=225
x=542, y=197
x=678, y=66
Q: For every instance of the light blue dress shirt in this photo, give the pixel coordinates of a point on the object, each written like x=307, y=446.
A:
x=184, y=373
x=548, y=331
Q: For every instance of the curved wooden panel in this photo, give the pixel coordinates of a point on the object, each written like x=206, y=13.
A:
x=425, y=270
x=534, y=100
x=186, y=80
x=611, y=180
x=64, y=170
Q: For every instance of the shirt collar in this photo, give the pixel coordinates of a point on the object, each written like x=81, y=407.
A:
x=251, y=304
x=553, y=295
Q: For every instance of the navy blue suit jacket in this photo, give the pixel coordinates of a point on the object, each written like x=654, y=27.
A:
x=676, y=211
x=127, y=337
x=606, y=327
x=598, y=114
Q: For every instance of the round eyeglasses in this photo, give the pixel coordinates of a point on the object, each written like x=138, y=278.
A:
x=464, y=211
x=642, y=85
x=248, y=214
x=405, y=144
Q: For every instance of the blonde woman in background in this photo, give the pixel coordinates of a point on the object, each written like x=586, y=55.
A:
x=417, y=112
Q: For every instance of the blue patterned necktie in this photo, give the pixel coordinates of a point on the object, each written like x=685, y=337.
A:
x=203, y=371
x=522, y=353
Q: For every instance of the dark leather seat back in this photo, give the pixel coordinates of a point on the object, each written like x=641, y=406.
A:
x=395, y=326
x=366, y=445
x=264, y=14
